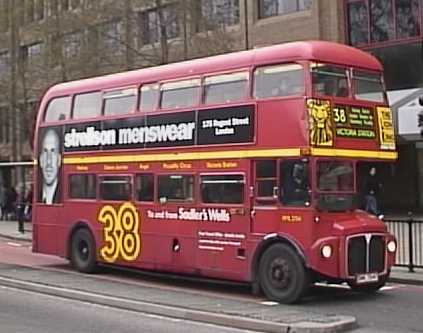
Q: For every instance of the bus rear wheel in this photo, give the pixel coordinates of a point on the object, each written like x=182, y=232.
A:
x=282, y=275
x=83, y=255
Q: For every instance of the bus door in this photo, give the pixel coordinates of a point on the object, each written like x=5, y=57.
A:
x=265, y=200
x=295, y=197
x=225, y=223
x=281, y=193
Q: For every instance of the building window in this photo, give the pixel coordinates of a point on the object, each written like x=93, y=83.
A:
x=4, y=124
x=30, y=10
x=111, y=35
x=158, y=22
x=219, y=12
x=75, y=4
x=407, y=18
x=40, y=10
x=376, y=21
x=65, y=5
x=269, y=8
x=4, y=63
x=31, y=53
x=4, y=15
x=382, y=20
x=358, y=16
x=72, y=44
x=53, y=7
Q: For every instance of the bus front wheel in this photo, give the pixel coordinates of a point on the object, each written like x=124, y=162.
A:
x=83, y=257
x=282, y=275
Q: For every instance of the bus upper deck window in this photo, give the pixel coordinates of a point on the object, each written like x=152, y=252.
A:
x=118, y=102
x=149, y=97
x=368, y=86
x=280, y=80
x=180, y=94
x=58, y=109
x=225, y=88
x=329, y=80
x=87, y=105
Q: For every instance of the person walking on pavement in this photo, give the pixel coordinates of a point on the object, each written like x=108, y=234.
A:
x=2, y=201
x=10, y=203
x=372, y=187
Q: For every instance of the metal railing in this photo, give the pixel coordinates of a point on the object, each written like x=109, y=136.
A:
x=408, y=231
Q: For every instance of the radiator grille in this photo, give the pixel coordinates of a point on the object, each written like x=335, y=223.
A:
x=366, y=256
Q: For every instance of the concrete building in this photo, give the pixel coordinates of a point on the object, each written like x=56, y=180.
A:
x=47, y=41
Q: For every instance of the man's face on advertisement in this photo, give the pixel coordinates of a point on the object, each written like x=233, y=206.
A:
x=50, y=158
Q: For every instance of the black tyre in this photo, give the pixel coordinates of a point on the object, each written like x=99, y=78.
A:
x=83, y=253
x=282, y=275
x=368, y=288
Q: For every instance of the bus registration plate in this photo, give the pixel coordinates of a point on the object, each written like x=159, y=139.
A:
x=367, y=278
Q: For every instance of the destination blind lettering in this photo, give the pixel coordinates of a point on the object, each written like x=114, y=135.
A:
x=354, y=122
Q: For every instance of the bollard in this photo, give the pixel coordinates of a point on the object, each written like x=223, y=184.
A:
x=410, y=243
x=20, y=210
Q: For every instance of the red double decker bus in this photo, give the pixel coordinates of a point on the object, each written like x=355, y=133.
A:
x=239, y=167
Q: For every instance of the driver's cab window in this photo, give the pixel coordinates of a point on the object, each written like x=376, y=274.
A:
x=295, y=183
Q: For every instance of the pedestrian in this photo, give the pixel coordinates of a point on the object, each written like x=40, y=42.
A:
x=372, y=187
x=2, y=201
x=28, y=203
x=10, y=205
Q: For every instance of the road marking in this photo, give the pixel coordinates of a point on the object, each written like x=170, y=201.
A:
x=269, y=303
x=14, y=244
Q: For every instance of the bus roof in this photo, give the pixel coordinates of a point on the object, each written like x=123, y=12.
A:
x=322, y=51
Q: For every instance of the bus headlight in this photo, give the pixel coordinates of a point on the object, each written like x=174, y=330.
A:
x=391, y=246
x=326, y=251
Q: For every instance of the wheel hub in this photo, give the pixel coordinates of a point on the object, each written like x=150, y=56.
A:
x=280, y=274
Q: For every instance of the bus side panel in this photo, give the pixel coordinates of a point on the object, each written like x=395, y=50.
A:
x=283, y=124
x=47, y=221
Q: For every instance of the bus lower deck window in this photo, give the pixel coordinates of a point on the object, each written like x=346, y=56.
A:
x=227, y=189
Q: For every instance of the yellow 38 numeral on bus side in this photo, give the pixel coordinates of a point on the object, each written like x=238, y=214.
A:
x=120, y=232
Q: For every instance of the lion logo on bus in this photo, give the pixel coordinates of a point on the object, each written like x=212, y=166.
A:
x=320, y=126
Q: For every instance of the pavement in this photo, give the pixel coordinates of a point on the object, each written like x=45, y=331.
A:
x=251, y=314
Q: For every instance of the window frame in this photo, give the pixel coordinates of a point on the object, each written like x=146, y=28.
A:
x=101, y=114
x=157, y=102
x=100, y=178
x=247, y=92
x=267, y=200
x=134, y=109
x=258, y=67
x=347, y=70
x=69, y=115
x=155, y=188
x=176, y=201
x=69, y=189
x=244, y=192
x=197, y=99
